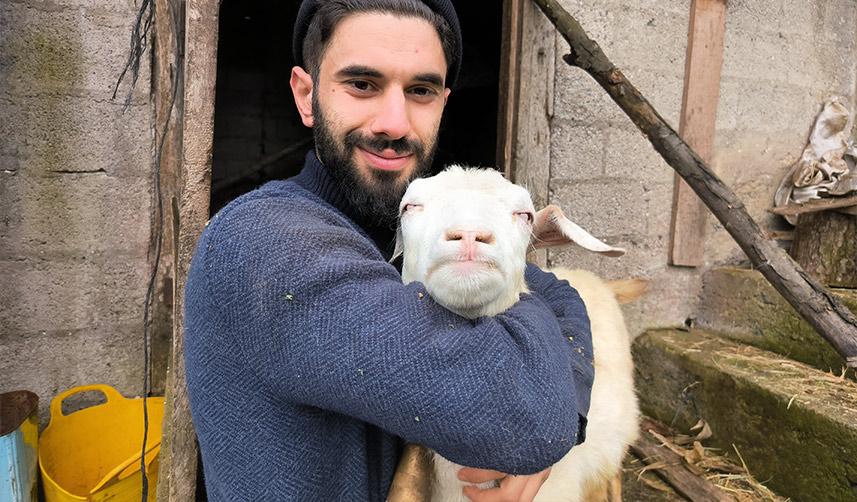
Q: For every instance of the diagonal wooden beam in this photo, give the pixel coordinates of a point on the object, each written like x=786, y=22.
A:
x=830, y=318
x=697, y=124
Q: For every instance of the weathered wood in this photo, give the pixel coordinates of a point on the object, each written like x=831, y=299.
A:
x=814, y=206
x=825, y=245
x=177, y=481
x=507, y=106
x=809, y=298
x=703, y=62
x=531, y=156
x=167, y=104
x=674, y=471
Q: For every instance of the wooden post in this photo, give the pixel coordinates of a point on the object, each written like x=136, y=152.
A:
x=507, y=105
x=697, y=124
x=177, y=482
x=167, y=107
x=527, y=105
x=825, y=245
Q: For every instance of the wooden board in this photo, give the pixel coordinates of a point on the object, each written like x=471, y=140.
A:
x=698, y=115
x=189, y=213
x=528, y=145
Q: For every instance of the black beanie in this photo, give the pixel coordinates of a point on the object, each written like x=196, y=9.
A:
x=442, y=7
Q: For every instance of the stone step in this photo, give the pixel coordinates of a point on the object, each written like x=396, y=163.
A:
x=794, y=426
x=741, y=305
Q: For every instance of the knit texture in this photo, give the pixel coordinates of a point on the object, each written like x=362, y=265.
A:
x=307, y=359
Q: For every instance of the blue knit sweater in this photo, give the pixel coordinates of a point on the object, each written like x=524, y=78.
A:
x=308, y=361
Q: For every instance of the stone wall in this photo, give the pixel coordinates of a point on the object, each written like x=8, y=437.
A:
x=781, y=61
x=75, y=198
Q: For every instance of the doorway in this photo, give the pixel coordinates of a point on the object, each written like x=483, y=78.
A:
x=258, y=135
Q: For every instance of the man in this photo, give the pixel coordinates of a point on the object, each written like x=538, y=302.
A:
x=308, y=361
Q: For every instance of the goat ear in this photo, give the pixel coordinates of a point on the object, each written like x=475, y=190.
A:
x=399, y=247
x=552, y=228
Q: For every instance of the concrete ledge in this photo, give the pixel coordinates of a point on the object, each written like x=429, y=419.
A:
x=795, y=426
x=741, y=305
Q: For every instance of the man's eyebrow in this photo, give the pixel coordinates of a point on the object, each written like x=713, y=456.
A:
x=358, y=71
x=430, y=78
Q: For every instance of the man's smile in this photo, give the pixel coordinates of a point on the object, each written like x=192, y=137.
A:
x=386, y=160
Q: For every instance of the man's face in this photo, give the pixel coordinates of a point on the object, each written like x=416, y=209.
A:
x=376, y=107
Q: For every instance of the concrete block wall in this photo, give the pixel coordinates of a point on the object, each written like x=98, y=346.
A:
x=781, y=61
x=75, y=198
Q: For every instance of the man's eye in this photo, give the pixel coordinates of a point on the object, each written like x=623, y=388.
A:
x=411, y=207
x=361, y=85
x=423, y=91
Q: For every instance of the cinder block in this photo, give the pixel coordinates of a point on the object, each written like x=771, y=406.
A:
x=577, y=151
x=77, y=134
x=777, y=413
x=602, y=205
x=740, y=304
x=71, y=293
x=66, y=52
x=74, y=216
x=49, y=362
x=629, y=154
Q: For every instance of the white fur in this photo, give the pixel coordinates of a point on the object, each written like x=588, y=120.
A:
x=489, y=279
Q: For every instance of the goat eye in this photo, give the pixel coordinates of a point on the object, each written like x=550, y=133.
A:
x=411, y=207
x=526, y=216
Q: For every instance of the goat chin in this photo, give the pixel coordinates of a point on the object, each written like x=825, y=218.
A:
x=613, y=414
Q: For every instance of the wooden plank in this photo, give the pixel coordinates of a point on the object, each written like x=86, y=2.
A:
x=177, y=481
x=167, y=158
x=531, y=155
x=703, y=63
x=507, y=107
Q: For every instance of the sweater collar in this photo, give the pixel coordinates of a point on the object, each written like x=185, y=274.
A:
x=316, y=178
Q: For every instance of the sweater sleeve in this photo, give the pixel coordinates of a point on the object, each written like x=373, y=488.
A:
x=325, y=322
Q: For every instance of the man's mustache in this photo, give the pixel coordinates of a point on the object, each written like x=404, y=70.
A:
x=402, y=146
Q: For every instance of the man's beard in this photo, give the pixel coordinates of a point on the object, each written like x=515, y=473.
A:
x=376, y=199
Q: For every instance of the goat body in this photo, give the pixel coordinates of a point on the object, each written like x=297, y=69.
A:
x=464, y=234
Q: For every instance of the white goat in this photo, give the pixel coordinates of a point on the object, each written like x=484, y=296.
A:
x=464, y=234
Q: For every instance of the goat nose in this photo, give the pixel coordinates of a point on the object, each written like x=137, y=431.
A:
x=470, y=236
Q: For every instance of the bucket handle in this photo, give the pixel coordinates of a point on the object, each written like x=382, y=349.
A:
x=110, y=394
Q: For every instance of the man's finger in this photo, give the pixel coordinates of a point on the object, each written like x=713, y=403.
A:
x=474, y=475
x=510, y=490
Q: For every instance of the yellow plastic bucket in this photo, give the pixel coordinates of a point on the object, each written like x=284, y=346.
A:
x=94, y=454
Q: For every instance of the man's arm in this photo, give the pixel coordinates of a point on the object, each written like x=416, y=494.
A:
x=326, y=323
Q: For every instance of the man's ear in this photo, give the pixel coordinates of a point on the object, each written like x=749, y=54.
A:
x=552, y=228
x=301, y=84
x=446, y=92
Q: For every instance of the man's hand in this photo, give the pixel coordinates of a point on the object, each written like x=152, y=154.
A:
x=511, y=489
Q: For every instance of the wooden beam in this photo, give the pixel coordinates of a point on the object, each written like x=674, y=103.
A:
x=510, y=47
x=177, y=480
x=703, y=62
x=167, y=106
x=528, y=144
x=821, y=309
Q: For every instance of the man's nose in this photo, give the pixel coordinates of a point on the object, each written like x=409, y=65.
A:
x=392, y=119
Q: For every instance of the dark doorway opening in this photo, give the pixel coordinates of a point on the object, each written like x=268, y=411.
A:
x=258, y=135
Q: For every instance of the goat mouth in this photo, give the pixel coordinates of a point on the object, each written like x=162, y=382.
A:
x=463, y=266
